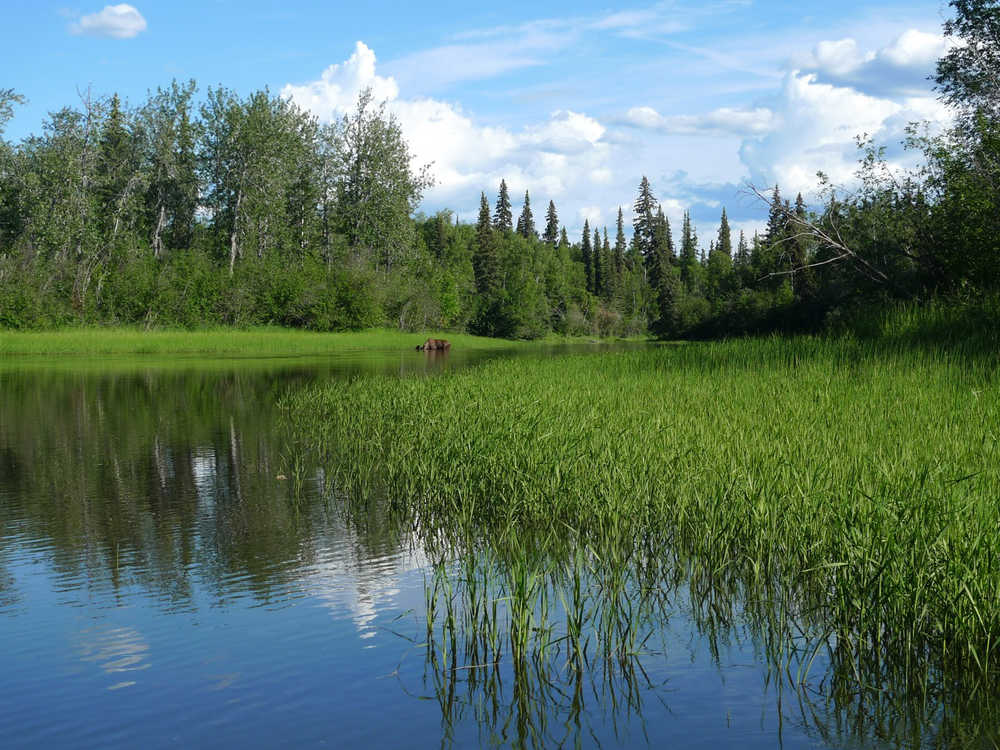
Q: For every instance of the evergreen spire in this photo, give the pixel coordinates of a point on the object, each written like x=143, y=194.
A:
x=598, y=264
x=725, y=241
x=586, y=250
x=526, y=221
x=551, y=235
x=689, y=251
x=742, y=251
x=620, y=243
x=776, y=219
x=484, y=260
x=502, y=217
x=644, y=220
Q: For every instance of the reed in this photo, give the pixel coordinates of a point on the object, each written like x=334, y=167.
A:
x=841, y=494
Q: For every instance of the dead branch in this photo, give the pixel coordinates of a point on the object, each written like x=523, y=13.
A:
x=834, y=240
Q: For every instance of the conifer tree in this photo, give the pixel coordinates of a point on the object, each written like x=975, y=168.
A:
x=720, y=279
x=689, y=253
x=598, y=265
x=117, y=164
x=644, y=217
x=485, y=263
x=563, y=238
x=551, y=235
x=742, y=251
x=526, y=221
x=664, y=277
x=661, y=256
x=803, y=279
x=586, y=251
x=620, y=244
x=776, y=220
x=725, y=241
x=502, y=217
x=609, y=275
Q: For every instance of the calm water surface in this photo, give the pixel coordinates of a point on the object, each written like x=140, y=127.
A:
x=163, y=585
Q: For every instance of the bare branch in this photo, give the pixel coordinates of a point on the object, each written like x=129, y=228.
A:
x=809, y=229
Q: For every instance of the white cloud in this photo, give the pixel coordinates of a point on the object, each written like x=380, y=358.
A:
x=900, y=67
x=114, y=21
x=562, y=156
x=819, y=123
x=723, y=120
x=915, y=48
x=841, y=56
x=589, y=166
x=336, y=91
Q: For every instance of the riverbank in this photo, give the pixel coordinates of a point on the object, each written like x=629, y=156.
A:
x=232, y=342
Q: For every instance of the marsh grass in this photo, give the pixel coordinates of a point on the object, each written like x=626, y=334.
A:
x=243, y=342
x=840, y=495
x=249, y=342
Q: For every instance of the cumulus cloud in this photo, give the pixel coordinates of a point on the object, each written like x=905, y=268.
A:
x=114, y=21
x=552, y=158
x=819, y=124
x=807, y=123
x=336, y=91
x=723, y=120
x=901, y=67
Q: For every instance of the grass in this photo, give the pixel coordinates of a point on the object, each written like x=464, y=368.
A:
x=847, y=489
x=255, y=342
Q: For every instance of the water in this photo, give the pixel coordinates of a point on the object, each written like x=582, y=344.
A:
x=163, y=584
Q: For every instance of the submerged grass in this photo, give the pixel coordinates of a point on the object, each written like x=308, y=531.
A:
x=845, y=487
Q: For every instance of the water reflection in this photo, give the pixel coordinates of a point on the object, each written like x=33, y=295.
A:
x=162, y=511
x=121, y=652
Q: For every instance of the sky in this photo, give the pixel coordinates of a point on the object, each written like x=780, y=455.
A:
x=572, y=101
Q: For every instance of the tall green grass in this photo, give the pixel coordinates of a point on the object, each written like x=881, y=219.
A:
x=848, y=490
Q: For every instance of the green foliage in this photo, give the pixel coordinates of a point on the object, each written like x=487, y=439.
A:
x=126, y=214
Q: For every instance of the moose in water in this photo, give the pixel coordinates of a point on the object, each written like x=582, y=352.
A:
x=434, y=345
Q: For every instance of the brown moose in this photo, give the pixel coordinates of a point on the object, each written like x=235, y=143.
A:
x=433, y=345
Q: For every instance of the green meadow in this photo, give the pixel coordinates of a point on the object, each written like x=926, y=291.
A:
x=233, y=342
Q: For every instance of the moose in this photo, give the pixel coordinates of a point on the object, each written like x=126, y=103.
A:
x=434, y=345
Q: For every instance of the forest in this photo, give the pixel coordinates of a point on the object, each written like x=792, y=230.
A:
x=191, y=210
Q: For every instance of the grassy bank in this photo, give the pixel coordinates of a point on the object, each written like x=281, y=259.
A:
x=252, y=342
x=858, y=479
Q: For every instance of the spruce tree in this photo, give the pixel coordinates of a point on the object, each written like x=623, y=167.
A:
x=586, y=251
x=720, y=262
x=551, y=235
x=609, y=275
x=742, y=251
x=776, y=220
x=116, y=165
x=620, y=245
x=485, y=263
x=526, y=221
x=664, y=278
x=725, y=241
x=598, y=265
x=804, y=281
x=563, y=238
x=689, y=253
x=502, y=217
x=644, y=219
x=661, y=256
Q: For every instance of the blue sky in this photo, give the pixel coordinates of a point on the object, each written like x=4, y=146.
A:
x=572, y=101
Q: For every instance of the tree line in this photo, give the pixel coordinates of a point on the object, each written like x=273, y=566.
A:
x=246, y=210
